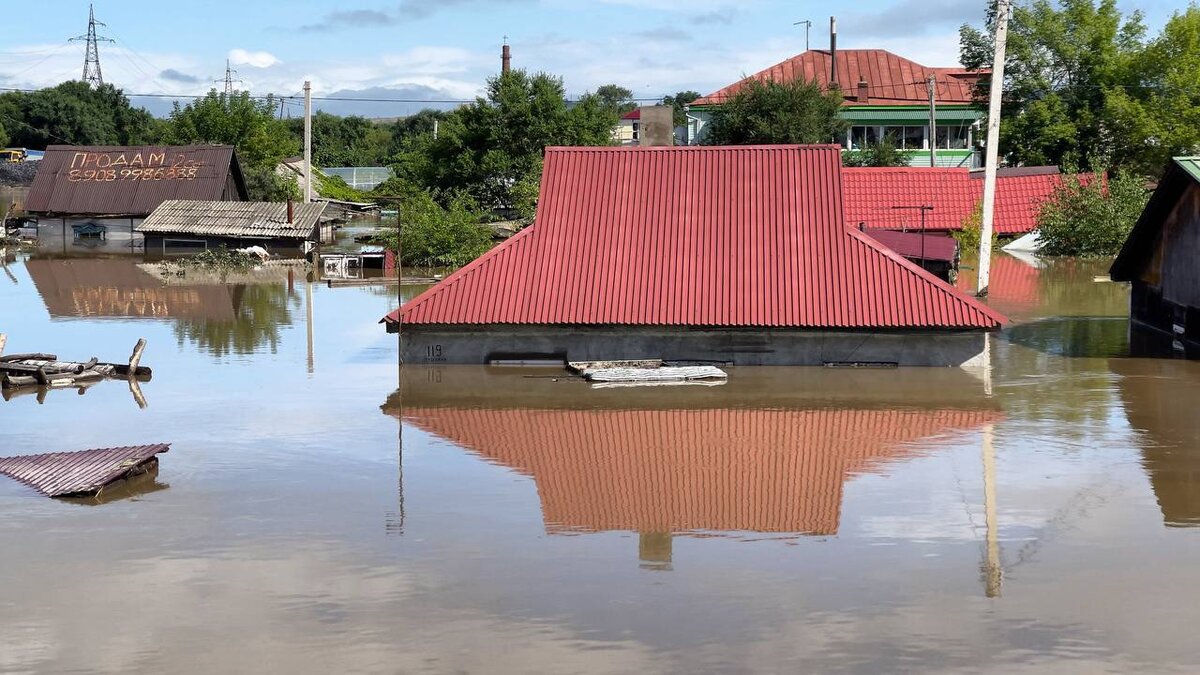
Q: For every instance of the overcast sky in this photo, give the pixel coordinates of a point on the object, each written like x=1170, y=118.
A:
x=445, y=49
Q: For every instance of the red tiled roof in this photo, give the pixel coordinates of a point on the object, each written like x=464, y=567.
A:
x=693, y=236
x=723, y=469
x=892, y=79
x=916, y=245
x=871, y=195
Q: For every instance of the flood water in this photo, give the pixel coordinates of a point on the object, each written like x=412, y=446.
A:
x=323, y=511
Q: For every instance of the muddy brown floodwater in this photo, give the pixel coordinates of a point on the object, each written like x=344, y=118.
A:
x=322, y=511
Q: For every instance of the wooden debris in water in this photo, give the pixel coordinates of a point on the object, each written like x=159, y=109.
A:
x=46, y=370
x=82, y=473
x=662, y=374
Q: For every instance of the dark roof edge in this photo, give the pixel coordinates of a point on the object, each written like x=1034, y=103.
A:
x=1130, y=261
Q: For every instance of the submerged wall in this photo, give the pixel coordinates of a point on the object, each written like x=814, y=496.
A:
x=481, y=344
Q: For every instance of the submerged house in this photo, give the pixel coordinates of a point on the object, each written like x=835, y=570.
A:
x=1159, y=257
x=181, y=224
x=106, y=191
x=883, y=94
x=729, y=254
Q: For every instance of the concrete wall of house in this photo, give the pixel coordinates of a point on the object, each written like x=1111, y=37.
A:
x=482, y=344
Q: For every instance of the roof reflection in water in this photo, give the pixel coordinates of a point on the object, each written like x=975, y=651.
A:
x=768, y=452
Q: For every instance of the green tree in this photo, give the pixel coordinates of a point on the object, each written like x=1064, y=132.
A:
x=3, y=136
x=1065, y=61
x=435, y=236
x=1091, y=217
x=616, y=97
x=679, y=101
x=74, y=113
x=883, y=153
x=492, y=148
x=249, y=125
x=777, y=112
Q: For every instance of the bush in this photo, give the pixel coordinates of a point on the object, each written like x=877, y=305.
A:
x=432, y=236
x=884, y=152
x=971, y=234
x=1091, y=218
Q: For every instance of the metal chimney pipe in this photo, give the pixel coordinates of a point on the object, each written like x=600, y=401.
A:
x=833, y=74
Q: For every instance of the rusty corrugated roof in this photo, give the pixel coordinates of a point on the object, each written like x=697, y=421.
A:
x=891, y=79
x=917, y=245
x=695, y=236
x=723, y=469
x=132, y=180
x=62, y=474
x=265, y=220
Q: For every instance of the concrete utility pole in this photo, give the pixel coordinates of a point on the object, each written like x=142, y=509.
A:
x=308, y=171
x=993, y=148
x=932, y=84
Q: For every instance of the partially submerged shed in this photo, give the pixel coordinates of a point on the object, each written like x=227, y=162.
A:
x=117, y=187
x=180, y=224
x=1159, y=257
x=731, y=254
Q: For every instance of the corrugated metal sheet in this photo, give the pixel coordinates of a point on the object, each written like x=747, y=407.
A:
x=892, y=79
x=61, y=474
x=132, y=180
x=916, y=245
x=724, y=469
x=267, y=220
x=955, y=193
x=692, y=236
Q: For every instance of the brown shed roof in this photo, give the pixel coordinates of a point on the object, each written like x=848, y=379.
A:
x=131, y=180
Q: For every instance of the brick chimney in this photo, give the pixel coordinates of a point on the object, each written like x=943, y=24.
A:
x=833, y=74
x=864, y=90
x=505, y=58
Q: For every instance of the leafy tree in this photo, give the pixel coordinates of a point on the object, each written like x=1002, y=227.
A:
x=345, y=141
x=249, y=125
x=1065, y=61
x=433, y=236
x=883, y=152
x=617, y=98
x=493, y=147
x=679, y=101
x=1091, y=218
x=777, y=112
x=3, y=136
x=74, y=113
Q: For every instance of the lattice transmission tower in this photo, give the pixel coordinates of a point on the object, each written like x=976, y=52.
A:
x=91, y=57
x=229, y=80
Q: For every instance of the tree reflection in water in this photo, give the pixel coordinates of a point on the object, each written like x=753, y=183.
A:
x=259, y=310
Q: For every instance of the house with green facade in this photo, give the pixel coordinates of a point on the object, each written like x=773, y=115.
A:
x=883, y=94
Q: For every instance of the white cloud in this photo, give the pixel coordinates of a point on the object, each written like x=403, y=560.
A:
x=242, y=57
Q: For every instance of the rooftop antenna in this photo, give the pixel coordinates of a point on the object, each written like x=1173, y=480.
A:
x=807, y=27
x=91, y=57
x=229, y=73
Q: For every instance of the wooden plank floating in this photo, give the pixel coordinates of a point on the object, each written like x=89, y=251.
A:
x=655, y=375
x=82, y=473
x=46, y=370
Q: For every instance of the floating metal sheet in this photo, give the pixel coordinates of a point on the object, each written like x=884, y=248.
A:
x=62, y=474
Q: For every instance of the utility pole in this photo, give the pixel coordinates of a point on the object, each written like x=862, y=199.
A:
x=932, y=84
x=308, y=170
x=91, y=56
x=229, y=73
x=993, y=149
x=807, y=27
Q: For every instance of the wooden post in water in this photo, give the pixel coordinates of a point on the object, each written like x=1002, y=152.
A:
x=136, y=357
x=3, y=340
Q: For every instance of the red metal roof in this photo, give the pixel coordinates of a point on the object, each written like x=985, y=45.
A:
x=891, y=79
x=695, y=236
x=62, y=474
x=132, y=180
x=635, y=114
x=872, y=195
x=917, y=245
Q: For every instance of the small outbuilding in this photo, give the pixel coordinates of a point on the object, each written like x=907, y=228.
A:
x=180, y=225
x=112, y=189
x=731, y=254
x=1159, y=258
